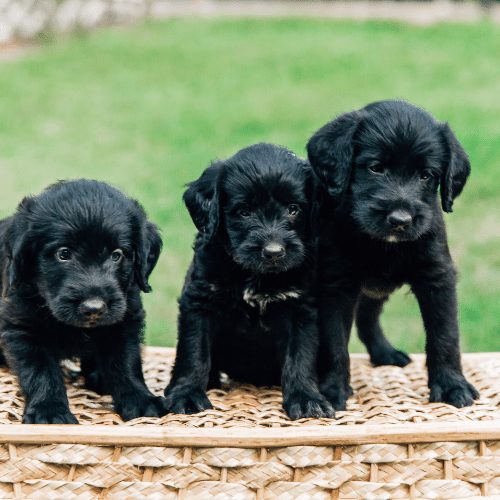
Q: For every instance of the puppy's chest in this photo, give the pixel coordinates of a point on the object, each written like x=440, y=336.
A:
x=253, y=298
x=260, y=299
x=68, y=342
x=381, y=279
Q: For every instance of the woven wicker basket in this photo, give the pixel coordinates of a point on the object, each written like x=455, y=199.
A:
x=389, y=444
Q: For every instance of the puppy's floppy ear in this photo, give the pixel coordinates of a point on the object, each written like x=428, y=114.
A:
x=330, y=152
x=314, y=197
x=456, y=171
x=19, y=246
x=202, y=200
x=147, y=253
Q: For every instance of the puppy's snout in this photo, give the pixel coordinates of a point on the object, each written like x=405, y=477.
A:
x=93, y=308
x=400, y=220
x=273, y=251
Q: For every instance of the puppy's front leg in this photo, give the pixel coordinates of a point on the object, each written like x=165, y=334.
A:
x=40, y=377
x=123, y=369
x=186, y=392
x=438, y=305
x=336, y=313
x=301, y=396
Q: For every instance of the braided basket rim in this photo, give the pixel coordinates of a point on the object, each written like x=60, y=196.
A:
x=251, y=437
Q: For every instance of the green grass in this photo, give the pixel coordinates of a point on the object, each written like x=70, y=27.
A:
x=146, y=108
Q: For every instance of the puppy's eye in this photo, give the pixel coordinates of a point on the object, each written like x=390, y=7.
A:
x=293, y=209
x=245, y=212
x=117, y=255
x=63, y=254
x=377, y=169
x=425, y=175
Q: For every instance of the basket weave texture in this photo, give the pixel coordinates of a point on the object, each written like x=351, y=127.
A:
x=388, y=444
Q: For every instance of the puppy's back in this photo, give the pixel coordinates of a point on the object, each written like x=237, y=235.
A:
x=5, y=224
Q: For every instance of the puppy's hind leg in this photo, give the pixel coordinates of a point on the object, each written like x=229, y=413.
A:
x=370, y=333
x=214, y=379
x=94, y=375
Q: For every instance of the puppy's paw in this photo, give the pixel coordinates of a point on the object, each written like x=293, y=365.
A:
x=337, y=394
x=187, y=401
x=348, y=391
x=453, y=391
x=48, y=414
x=307, y=405
x=389, y=357
x=94, y=381
x=141, y=406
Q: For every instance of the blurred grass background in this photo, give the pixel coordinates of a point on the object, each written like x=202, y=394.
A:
x=146, y=108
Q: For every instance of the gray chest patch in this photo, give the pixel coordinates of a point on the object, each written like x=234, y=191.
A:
x=262, y=300
x=375, y=293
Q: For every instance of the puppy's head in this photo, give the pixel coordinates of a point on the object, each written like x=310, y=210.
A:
x=257, y=204
x=82, y=245
x=390, y=158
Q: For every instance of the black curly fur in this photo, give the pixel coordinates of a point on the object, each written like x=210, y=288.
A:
x=43, y=318
x=251, y=317
x=381, y=168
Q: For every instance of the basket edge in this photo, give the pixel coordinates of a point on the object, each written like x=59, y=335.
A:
x=414, y=356
x=151, y=435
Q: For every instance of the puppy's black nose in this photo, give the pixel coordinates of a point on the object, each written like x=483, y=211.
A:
x=400, y=219
x=93, y=308
x=273, y=251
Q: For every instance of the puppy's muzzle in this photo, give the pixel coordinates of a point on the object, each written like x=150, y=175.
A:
x=93, y=309
x=400, y=220
x=273, y=252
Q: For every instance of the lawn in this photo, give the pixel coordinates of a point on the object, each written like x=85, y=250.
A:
x=146, y=108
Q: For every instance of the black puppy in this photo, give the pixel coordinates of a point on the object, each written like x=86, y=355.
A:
x=75, y=259
x=247, y=308
x=382, y=166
